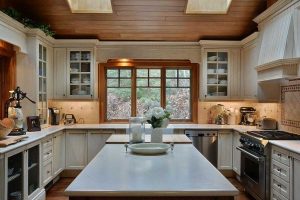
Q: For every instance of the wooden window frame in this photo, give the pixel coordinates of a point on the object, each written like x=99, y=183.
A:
x=151, y=64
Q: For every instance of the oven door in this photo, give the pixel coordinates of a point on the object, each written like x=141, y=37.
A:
x=253, y=173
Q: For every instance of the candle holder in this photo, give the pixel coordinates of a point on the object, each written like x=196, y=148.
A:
x=136, y=130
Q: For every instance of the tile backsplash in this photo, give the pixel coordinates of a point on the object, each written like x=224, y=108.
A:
x=84, y=111
x=271, y=110
x=89, y=110
x=290, y=108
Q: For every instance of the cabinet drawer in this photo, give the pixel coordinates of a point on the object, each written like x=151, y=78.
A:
x=47, y=153
x=280, y=170
x=47, y=171
x=281, y=155
x=47, y=143
x=276, y=196
x=280, y=186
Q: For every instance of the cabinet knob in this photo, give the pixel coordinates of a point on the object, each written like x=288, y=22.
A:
x=64, y=95
x=91, y=95
x=279, y=154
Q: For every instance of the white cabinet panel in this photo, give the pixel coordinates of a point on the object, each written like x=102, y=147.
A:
x=59, y=154
x=236, y=155
x=249, y=74
x=96, y=141
x=225, y=150
x=296, y=178
x=76, y=149
x=60, y=73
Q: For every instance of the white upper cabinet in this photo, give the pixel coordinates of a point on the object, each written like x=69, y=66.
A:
x=60, y=72
x=74, y=70
x=34, y=76
x=220, y=74
x=80, y=73
x=249, y=55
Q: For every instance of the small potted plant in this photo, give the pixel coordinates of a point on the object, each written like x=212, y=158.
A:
x=159, y=119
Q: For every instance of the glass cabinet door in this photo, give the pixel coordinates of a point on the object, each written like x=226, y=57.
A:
x=42, y=103
x=33, y=169
x=217, y=74
x=15, y=173
x=80, y=70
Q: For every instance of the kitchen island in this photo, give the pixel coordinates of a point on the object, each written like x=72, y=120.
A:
x=183, y=173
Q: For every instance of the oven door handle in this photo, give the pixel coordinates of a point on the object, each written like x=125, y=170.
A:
x=249, y=154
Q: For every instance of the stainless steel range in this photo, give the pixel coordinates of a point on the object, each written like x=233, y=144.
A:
x=255, y=160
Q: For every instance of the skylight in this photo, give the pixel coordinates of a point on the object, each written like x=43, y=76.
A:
x=90, y=6
x=207, y=6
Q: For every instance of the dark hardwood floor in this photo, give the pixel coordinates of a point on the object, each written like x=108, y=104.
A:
x=57, y=191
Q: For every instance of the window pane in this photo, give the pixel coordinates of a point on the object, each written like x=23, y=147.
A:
x=112, y=83
x=145, y=98
x=112, y=73
x=154, y=82
x=125, y=82
x=142, y=82
x=142, y=72
x=154, y=73
x=184, y=73
x=171, y=82
x=44, y=54
x=171, y=73
x=179, y=100
x=118, y=103
x=184, y=82
x=125, y=73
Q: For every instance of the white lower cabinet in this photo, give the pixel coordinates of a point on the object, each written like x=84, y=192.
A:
x=281, y=174
x=296, y=177
x=21, y=173
x=76, y=149
x=96, y=141
x=225, y=150
x=59, y=153
x=236, y=154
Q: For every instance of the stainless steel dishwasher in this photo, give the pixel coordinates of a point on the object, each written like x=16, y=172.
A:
x=206, y=141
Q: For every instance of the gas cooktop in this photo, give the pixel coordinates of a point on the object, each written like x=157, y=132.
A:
x=274, y=135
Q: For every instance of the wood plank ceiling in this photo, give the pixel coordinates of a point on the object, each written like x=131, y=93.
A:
x=144, y=20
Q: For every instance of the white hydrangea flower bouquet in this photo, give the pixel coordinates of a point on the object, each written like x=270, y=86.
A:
x=158, y=117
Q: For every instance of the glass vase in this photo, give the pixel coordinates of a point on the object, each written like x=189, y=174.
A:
x=136, y=130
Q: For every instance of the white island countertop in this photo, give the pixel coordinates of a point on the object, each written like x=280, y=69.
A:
x=183, y=172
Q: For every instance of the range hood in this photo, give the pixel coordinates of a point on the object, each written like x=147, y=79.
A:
x=279, y=56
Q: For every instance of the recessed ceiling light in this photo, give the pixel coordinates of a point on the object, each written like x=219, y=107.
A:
x=90, y=6
x=207, y=6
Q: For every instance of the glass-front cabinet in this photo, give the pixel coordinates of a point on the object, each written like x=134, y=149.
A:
x=22, y=173
x=15, y=174
x=33, y=155
x=42, y=69
x=216, y=74
x=80, y=73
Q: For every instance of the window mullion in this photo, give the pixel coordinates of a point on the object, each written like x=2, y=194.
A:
x=163, y=87
x=133, y=93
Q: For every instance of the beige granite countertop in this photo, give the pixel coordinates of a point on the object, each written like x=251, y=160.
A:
x=181, y=172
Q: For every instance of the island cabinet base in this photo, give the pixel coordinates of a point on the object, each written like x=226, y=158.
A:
x=156, y=198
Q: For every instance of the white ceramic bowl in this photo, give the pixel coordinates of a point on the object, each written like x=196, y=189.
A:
x=212, y=58
x=212, y=81
x=223, y=82
x=149, y=148
x=221, y=71
x=82, y=92
x=211, y=71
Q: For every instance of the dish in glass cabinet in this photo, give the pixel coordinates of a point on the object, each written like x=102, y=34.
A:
x=149, y=148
